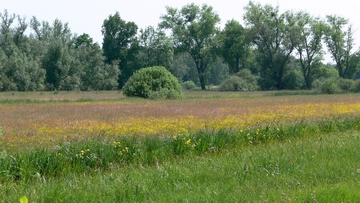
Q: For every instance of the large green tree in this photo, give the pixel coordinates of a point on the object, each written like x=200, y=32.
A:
x=194, y=29
x=308, y=44
x=119, y=43
x=340, y=42
x=156, y=49
x=272, y=33
x=96, y=74
x=20, y=67
x=234, y=46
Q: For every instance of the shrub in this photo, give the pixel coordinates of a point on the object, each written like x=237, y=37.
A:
x=165, y=93
x=345, y=84
x=147, y=81
x=188, y=85
x=234, y=83
x=251, y=81
x=316, y=85
x=241, y=81
x=330, y=86
x=355, y=86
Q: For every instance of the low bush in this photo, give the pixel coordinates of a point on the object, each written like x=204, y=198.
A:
x=345, y=84
x=188, y=85
x=356, y=86
x=153, y=81
x=251, y=81
x=330, y=86
x=165, y=93
x=241, y=81
x=234, y=83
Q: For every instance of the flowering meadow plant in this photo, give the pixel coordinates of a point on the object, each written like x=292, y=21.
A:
x=45, y=124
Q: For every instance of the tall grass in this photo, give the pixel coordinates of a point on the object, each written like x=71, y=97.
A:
x=270, y=149
x=86, y=157
x=321, y=168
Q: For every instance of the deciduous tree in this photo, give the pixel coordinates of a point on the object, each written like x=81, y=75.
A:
x=272, y=32
x=119, y=43
x=156, y=49
x=194, y=29
x=308, y=44
x=234, y=46
x=340, y=42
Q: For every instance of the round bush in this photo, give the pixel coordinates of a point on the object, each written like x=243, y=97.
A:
x=251, y=81
x=153, y=81
x=330, y=86
x=234, y=83
x=241, y=81
x=188, y=85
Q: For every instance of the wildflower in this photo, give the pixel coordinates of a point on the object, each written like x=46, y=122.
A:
x=116, y=144
x=82, y=153
x=188, y=142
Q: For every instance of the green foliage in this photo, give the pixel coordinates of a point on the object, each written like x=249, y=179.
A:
x=153, y=81
x=330, y=86
x=293, y=80
x=235, y=46
x=267, y=26
x=345, y=85
x=356, y=86
x=337, y=85
x=188, y=85
x=308, y=44
x=250, y=79
x=241, y=81
x=119, y=43
x=340, y=42
x=165, y=93
x=194, y=23
x=156, y=49
x=233, y=83
x=96, y=75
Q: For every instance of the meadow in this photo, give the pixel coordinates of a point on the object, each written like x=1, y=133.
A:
x=209, y=146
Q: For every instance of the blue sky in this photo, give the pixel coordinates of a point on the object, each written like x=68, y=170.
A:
x=87, y=16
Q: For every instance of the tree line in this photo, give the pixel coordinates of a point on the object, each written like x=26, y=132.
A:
x=282, y=50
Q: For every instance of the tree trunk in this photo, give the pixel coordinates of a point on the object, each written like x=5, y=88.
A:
x=202, y=81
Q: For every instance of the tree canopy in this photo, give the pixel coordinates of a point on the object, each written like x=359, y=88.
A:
x=281, y=50
x=193, y=29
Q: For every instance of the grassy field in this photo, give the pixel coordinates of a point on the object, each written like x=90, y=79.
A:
x=207, y=147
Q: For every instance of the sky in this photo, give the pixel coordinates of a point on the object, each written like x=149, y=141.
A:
x=87, y=16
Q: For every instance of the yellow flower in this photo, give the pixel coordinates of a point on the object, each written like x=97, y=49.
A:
x=188, y=142
x=117, y=144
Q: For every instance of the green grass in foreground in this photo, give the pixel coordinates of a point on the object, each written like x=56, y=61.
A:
x=323, y=167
